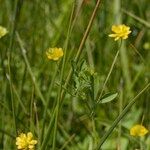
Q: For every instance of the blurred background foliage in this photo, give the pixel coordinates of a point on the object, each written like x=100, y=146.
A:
x=43, y=24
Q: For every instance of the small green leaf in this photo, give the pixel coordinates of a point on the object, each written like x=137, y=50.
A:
x=108, y=97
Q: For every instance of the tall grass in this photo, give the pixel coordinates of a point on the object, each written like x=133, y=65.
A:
x=71, y=103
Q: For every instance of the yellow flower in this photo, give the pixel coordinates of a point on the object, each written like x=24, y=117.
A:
x=120, y=31
x=3, y=31
x=138, y=130
x=54, y=53
x=25, y=141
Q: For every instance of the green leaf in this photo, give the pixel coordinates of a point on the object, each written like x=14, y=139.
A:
x=108, y=97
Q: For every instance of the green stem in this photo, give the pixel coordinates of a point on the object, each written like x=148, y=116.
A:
x=55, y=127
x=140, y=20
x=61, y=80
x=108, y=76
x=120, y=110
x=47, y=102
x=17, y=9
x=30, y=70
x=121, y=116
x=49, y=129
x=19, y=100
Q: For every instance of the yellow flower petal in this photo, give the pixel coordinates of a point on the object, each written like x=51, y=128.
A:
x=120, y=31
x=54, y=53
x=25, y=141
x=138, y=130
x=3, y=31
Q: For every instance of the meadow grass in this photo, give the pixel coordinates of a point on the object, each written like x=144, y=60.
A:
x=90, y=97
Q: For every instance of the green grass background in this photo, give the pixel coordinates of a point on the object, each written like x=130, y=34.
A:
x=28, y=78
